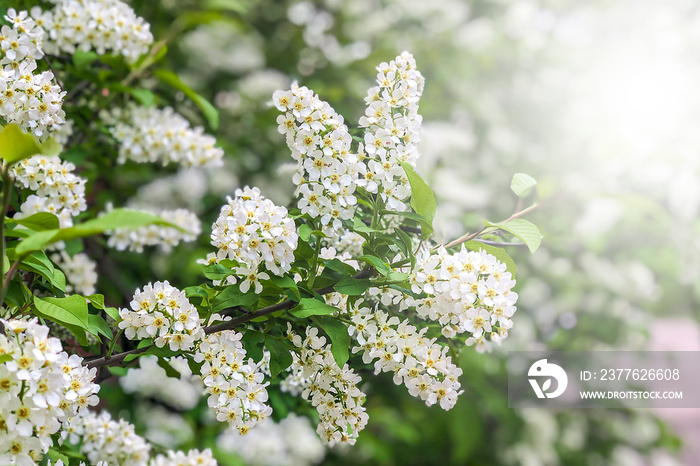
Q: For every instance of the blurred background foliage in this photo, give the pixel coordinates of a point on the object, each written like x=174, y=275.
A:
x=594, y=99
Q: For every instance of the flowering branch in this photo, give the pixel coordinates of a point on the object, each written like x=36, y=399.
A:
x=231, y=324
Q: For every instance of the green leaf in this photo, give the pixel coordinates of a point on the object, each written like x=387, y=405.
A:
x=97, y=300
x=117, y=218
x=381, y=266
x=113, y=312
x=497, y=252
x=71, y=310
x=82, y=59
x=252, y=342
x=169, y=370
x=40, y=221
x=305, y=232
x=98, y=326
x=422, y=200
x=16, y=144
x=38, y=262
x=280, y=357
x=352, y=286
x=5, y=358
x=143, y=96
x=311, y=307
x=339, y=266
x=196, y=292
x=340, y=339
x=208, y=110
x=217, y=272
x=232, y=296
x=287, y=283
x=521, y=184
x=523, y=229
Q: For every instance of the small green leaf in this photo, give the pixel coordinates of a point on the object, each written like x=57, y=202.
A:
x=422, y=199
x=523, y=229
x=287, y=283
x=340, y=338
x=381, y=266
x=497, y=252
x=196, y=292
x=208, y=110
x=280, y=357
x=339, y=266
x=169, y=370
x=71, y=310
x=5, y=358
x=143, y=96
x=97, y=300
x=217, y=272
x=311, y=307
x=113, y=312
x=305, y=232
x=521, y=184
x=16, y=144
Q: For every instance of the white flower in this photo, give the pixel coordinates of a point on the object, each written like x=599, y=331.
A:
x=152, y=135
x=164, y=313
x=80, y=271
x=41, y=387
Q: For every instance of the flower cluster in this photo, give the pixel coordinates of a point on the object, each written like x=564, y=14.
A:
x=80, y=271
x=331, y=390
x=291, y=442
x=150, y=134
x=392, y=123
x=105, y=26
x=27, y=98
x=150, y=380
x=327, y=171
x=58, y=190
x=179, y=458
x=466, y=291
x=418, y=362
x=235, y=385
x=166, y=237
x=101, y=438
x=40, y=388
x=253, y=231
x=163, y=313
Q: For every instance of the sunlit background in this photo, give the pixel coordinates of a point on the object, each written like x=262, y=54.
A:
x=597, y=100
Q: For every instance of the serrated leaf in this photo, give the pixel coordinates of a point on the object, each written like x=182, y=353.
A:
x=522, y=183
x=340, y=339
x=311, y=307
x=280, y=357
x=422, y=200
x=523, y=229
x=499, y=253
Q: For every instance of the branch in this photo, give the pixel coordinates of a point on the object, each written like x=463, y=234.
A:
x=286, y=304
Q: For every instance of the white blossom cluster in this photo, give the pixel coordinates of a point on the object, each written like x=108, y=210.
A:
x=162, y=313
x=101, y=438
x=254, y=232
x=466, y=291
x=27, y=98
x=331, y=390
x=291, y=442
x=165, y=237
x=105, y=26
x=150, y=134
x=41, y=387
x=150, y=380
x=58, y=190
x=80, y=271
x=327, y=171
x=417, y=361
x=393, y=124
x=236, y=387
x=179, y=458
